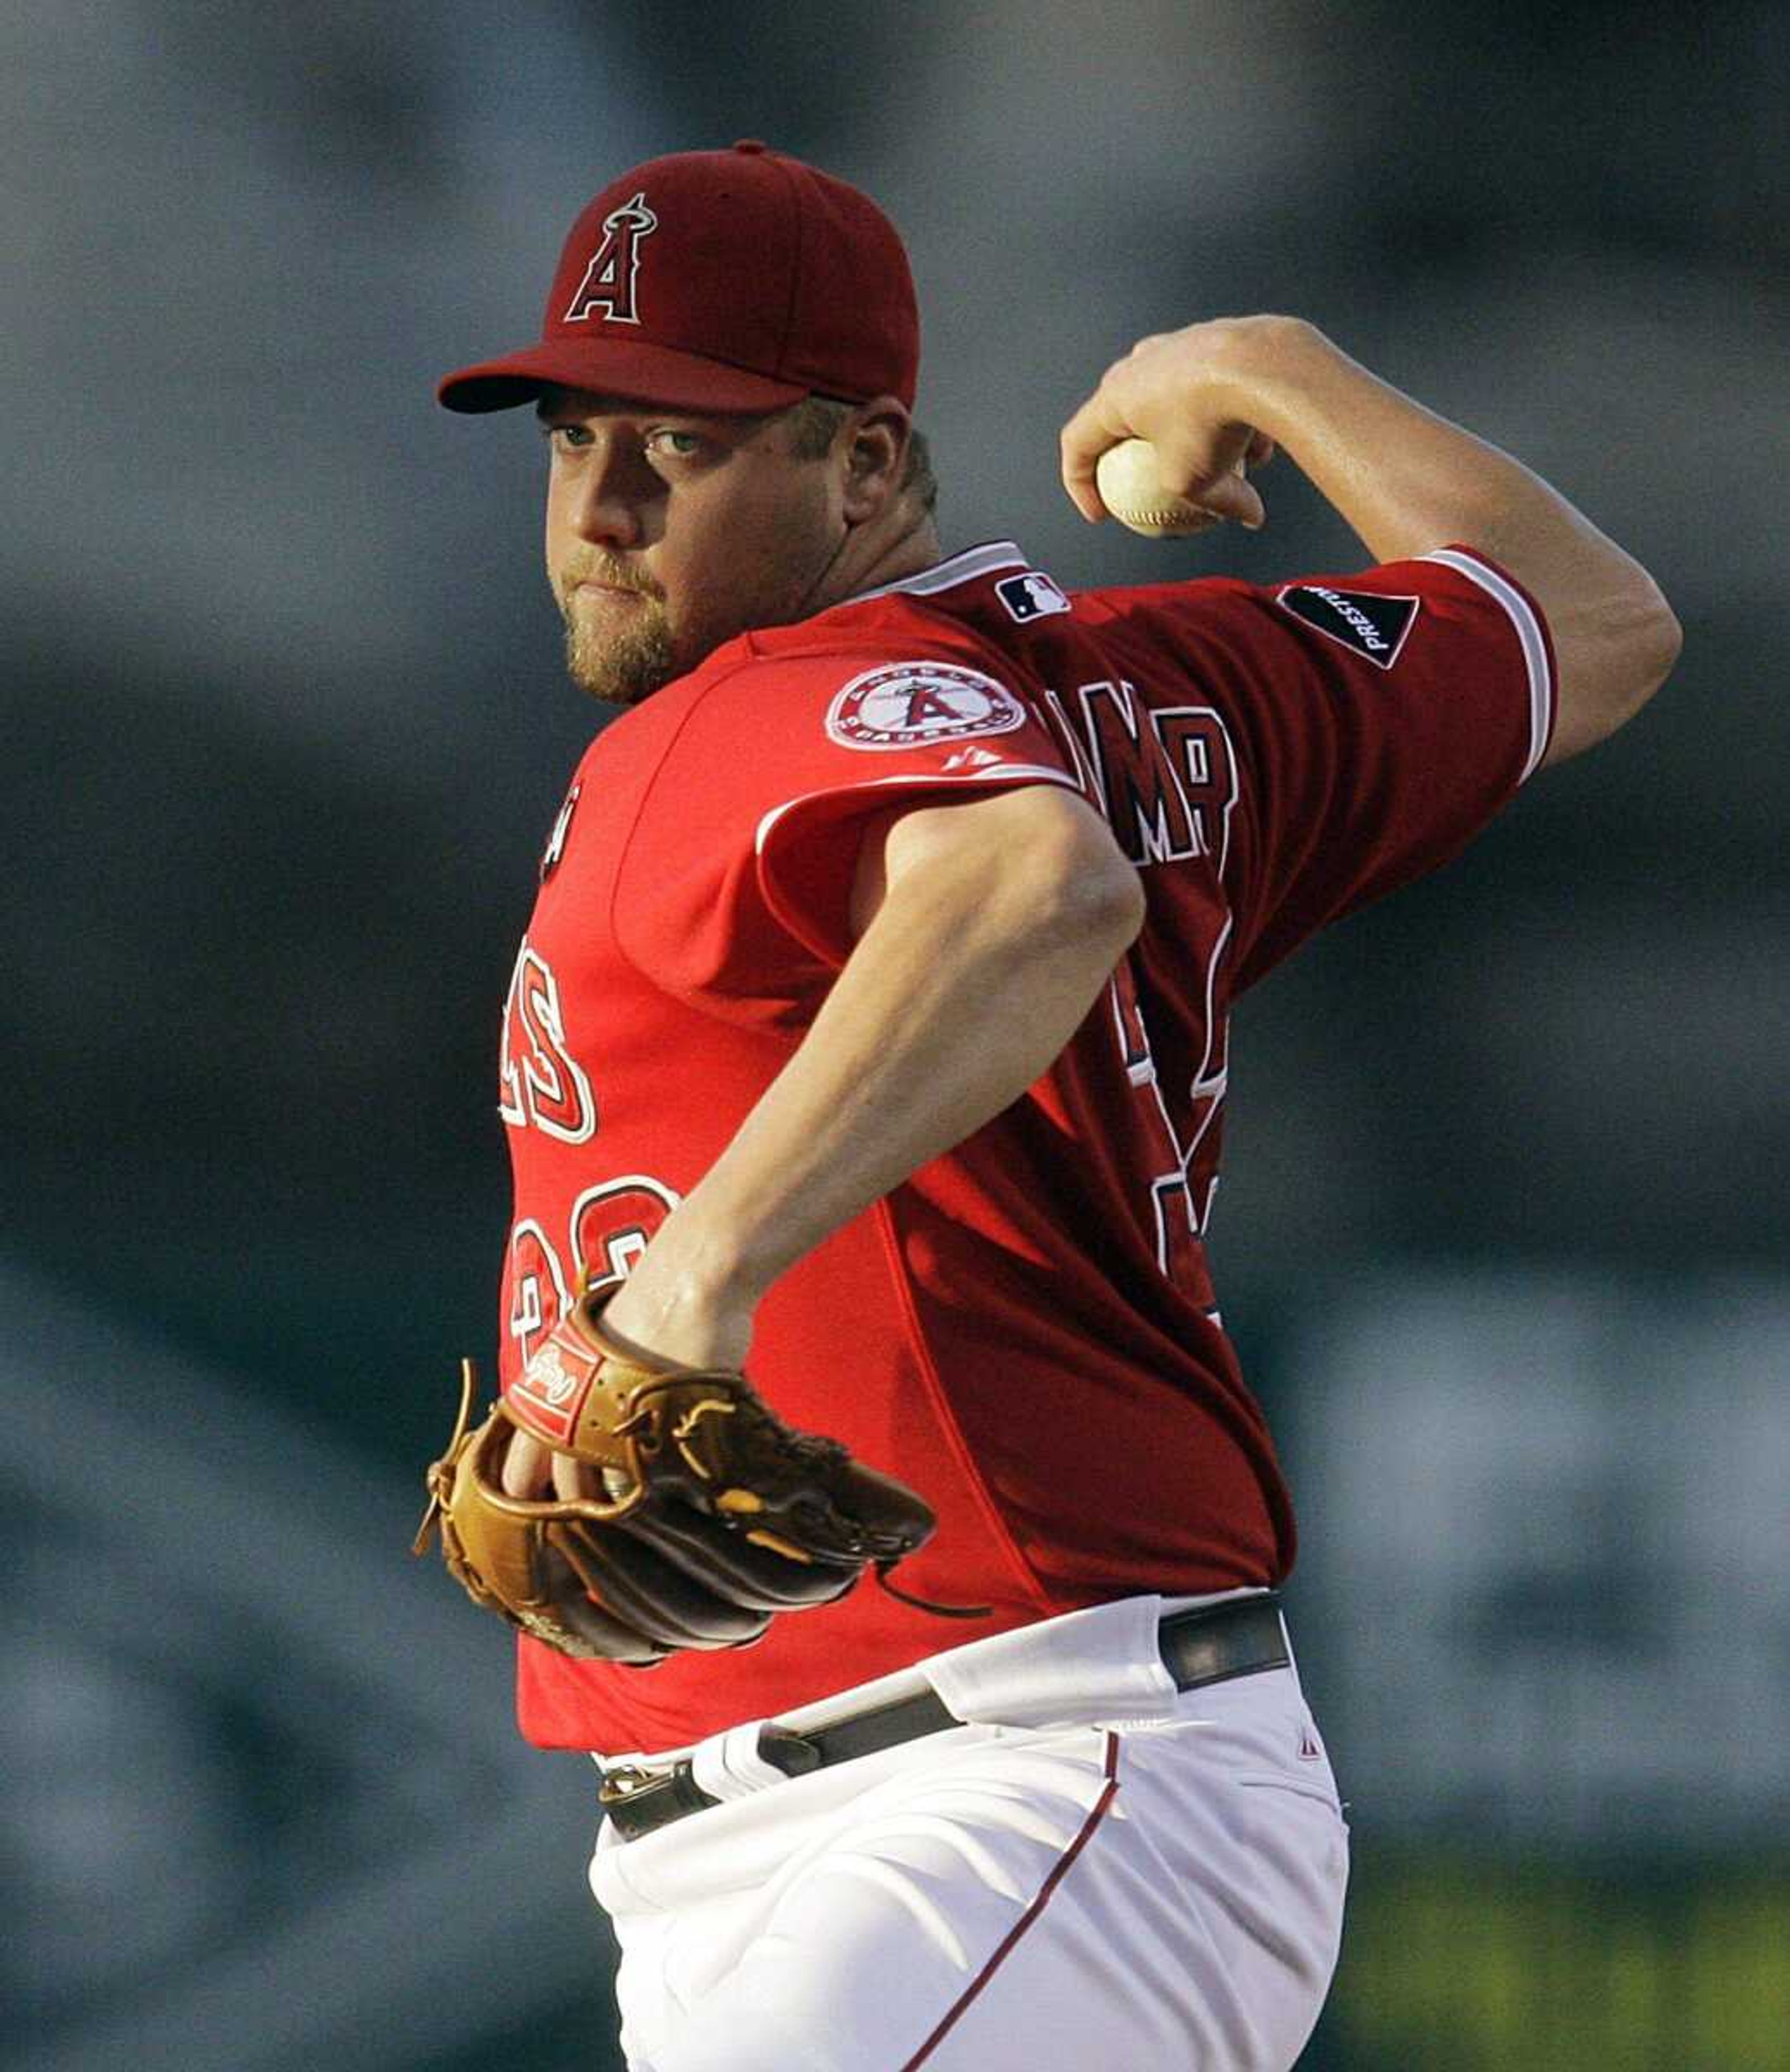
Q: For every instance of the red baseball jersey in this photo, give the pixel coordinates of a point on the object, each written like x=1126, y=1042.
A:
x=1025, y=1330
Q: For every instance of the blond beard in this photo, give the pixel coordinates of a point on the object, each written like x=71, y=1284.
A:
x=620, y=667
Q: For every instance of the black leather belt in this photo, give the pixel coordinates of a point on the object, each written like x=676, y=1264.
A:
x=1208, y=1645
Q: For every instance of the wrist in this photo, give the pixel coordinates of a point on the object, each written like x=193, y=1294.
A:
x=718, y=1248
x=1255, y=367
x=690, y=1297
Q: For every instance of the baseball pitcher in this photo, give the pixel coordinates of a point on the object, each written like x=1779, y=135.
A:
x=871, y=1481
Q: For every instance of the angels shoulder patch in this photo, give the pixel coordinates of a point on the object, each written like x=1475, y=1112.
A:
x=1364, y=621
x=904, y=704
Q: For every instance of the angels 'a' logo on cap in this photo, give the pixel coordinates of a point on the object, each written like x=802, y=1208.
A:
x=608, y=285
x=907, y=702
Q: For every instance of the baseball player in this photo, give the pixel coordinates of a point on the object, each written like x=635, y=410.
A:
x=869, y=1035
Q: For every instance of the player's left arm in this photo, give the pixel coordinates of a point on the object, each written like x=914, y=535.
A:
x=985, y=929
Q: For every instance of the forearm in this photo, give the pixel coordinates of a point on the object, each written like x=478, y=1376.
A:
x=1406, y=479
x=961, y=993
x=985, y=931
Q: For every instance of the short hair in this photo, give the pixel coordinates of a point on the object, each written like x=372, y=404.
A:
x=813, y=421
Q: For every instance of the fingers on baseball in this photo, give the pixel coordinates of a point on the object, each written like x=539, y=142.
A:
x=1232, y=496
x=1213, y=471
x=1093, y=428
x=1102, y=420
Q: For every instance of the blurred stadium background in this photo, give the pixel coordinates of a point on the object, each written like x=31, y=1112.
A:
x=1504, y=1231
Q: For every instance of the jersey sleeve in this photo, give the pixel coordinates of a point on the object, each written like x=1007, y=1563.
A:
x=1380, y=719
x=734, y=887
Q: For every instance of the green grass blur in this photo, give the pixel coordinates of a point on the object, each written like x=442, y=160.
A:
x=1460, y=1964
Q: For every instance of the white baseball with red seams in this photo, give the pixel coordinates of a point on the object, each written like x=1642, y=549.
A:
x=1006, y=1895
x=1129, y=479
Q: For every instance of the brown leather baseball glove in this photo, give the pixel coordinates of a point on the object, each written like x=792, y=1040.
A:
x=715, y=1515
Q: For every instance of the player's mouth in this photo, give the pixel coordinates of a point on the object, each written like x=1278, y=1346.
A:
x=603, y=575
x=595, y=591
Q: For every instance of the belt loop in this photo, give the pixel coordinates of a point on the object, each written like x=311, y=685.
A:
x=729, y=1765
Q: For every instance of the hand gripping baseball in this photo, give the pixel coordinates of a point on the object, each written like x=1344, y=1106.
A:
x=1178, y=393
x=714, y=1516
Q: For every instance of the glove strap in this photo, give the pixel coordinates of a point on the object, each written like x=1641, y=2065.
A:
x=926, y=1604
x=440, y=1476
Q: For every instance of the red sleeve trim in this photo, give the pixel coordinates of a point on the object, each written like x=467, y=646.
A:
x=1531, y=630
x=782, y=820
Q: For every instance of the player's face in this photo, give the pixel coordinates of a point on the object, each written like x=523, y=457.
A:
x=668, y=532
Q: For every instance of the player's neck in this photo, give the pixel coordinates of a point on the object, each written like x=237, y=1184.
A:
x=906, y=542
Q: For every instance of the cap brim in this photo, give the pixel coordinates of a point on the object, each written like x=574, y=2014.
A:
x=614, y=367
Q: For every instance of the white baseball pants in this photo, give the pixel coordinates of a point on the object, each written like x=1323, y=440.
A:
x=1155, y=1887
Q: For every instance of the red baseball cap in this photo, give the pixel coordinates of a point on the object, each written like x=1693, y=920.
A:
x=738, y=280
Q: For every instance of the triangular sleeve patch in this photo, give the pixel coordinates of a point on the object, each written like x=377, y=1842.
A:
x=1365, y=622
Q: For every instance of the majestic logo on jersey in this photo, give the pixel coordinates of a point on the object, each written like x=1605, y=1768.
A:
x=1032, y=595
x=1362, y=621
x=905, y=703
x=555, y=841
x=608, y=284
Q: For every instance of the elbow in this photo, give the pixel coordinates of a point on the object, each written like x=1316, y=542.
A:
x=1606, y=678
x=1063, y=883
x=1091, y=894
x=1111, y=913
x=1667, y=643
x=1654, y=641
x=1036, y=866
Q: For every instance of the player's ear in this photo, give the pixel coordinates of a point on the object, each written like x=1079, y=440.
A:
x=875, y=452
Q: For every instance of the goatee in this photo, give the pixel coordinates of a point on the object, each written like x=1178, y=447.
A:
x=619, y=664
x=620, y=667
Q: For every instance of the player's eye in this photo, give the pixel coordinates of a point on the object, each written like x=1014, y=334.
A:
x=666, y=440
x=566, y=436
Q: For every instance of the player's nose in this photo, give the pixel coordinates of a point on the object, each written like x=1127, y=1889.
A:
x=605, y=506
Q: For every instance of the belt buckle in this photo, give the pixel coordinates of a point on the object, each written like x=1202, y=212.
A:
x=617, y=1783
x=637, y=1801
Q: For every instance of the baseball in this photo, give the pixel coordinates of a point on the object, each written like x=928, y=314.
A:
x=1131, y=488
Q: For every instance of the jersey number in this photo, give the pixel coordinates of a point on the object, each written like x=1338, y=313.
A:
x=611, y=1225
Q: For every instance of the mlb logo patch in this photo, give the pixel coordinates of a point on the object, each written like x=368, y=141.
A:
x=1032, y=595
